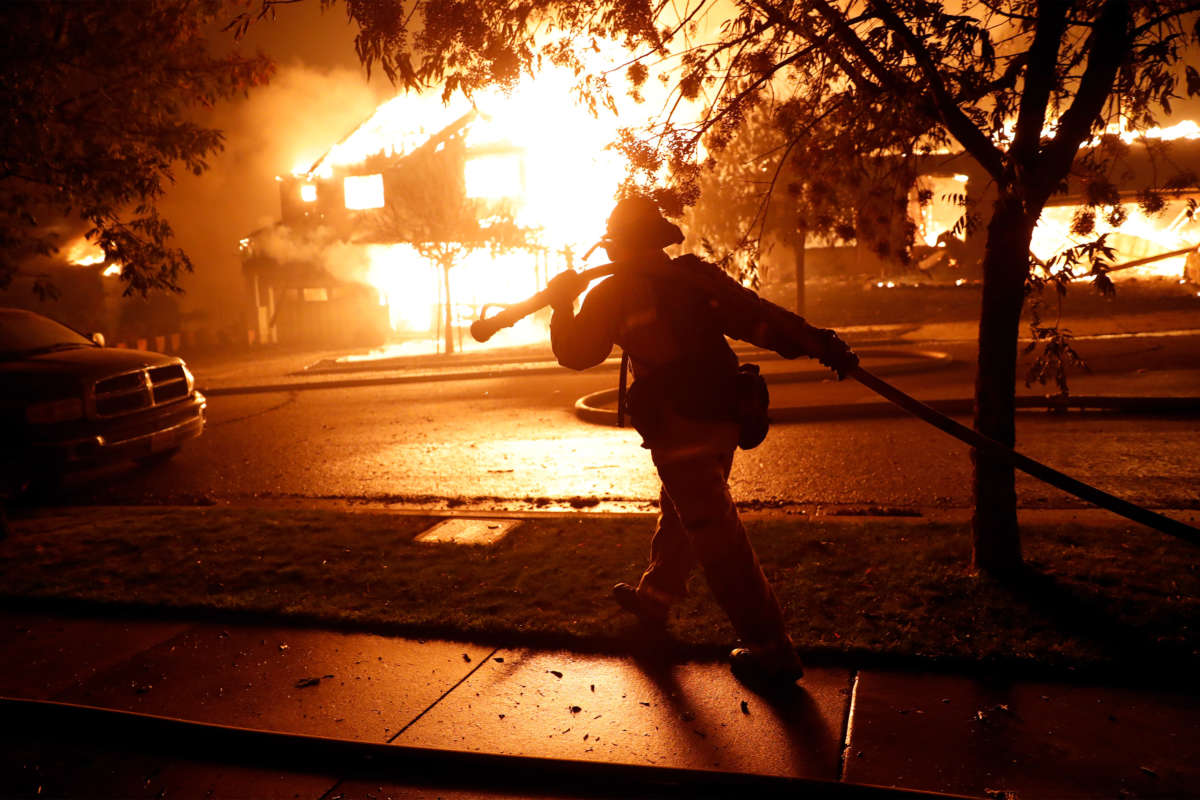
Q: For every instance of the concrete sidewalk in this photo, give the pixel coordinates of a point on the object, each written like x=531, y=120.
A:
x=843, y=727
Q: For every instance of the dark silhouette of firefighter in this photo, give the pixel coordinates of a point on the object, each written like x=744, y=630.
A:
x=693, y=405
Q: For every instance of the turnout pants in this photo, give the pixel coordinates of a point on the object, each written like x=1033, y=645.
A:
x=698, y=522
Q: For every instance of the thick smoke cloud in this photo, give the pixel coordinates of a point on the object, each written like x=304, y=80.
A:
x=290, y=122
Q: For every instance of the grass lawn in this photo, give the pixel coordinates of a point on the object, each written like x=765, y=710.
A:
x=1107, y=598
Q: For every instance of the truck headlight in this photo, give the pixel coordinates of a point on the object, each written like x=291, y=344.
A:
x=54, y=411
x=189, y=377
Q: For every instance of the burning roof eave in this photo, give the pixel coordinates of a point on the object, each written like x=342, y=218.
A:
x=432, y=144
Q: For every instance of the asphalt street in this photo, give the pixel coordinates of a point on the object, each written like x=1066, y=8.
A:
x=507, y=438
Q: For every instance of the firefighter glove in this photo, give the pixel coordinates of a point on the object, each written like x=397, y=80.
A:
x=836, y=354
x=564, y=288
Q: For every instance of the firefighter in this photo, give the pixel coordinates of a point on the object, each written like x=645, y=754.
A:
x=692, y=404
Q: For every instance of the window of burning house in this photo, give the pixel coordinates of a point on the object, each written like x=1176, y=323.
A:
x=308, y=192
x=363, y=191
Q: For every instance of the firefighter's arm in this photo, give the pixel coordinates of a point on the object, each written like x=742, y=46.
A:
x=762, y=323
x=582, y=341
x=791, y=336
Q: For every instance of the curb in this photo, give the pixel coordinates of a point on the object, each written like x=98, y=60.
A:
x=352, y=383
x=591, y=407
x=954, y=408
x=496, y=369
x=357, y=759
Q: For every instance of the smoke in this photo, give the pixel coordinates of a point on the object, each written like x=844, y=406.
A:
x=290, y=122
x=343, y=260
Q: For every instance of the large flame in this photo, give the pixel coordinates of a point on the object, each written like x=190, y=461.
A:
x=1137, y=238
x=1187, y=129
x=83, y=252
x=537, y=149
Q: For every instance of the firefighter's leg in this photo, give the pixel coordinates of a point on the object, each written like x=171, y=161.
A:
x=665, y=580
x=698, y=488
x=671, y=559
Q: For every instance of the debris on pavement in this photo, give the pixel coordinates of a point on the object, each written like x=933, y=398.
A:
x=304, y=683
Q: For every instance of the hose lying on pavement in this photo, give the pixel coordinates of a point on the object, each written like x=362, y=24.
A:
x=994, y=449
x=422, y=766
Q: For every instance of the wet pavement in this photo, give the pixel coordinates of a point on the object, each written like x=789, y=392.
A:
x=579, y=718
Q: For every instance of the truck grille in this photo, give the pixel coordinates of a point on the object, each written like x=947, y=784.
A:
x=145, y=388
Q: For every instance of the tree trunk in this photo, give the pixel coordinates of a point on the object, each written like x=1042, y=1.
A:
x=798, y=239
x=448, y=317
x=996, y=538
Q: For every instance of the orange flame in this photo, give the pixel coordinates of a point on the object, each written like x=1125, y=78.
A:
x=533, y=146
x=85, y=253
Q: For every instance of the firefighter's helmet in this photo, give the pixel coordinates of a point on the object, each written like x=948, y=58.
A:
x=637, y=222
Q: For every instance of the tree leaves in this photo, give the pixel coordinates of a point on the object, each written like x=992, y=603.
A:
x=1056, y=357
x=1193, y=80
x=102, y=98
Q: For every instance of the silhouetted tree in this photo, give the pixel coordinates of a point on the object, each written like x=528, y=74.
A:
x=772, y=185
x=97, y=96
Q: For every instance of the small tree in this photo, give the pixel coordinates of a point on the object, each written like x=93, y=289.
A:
x=428, y=207
x=98, y=97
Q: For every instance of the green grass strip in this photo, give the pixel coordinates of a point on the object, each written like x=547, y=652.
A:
x=1105, y=597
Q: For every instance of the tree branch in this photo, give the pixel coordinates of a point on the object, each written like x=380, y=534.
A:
x=683, y=22
x=1039, y=80
x=712, y=118
x=1165, y=16
x=860, y=80
x=958, y=123
x=1007, y=79
x=1110, y=45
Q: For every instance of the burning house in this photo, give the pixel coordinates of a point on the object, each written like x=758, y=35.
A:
x=349, y=261
x=405, y=228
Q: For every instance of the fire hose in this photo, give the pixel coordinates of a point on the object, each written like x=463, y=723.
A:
x=486, y=327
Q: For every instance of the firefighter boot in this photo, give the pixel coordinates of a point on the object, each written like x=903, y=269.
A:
x=766, y=667
x=651, y=613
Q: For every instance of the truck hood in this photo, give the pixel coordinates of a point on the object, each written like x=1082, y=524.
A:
x=64, y=373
